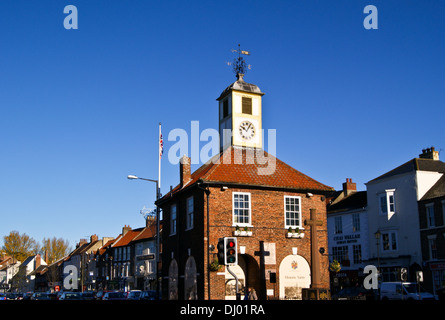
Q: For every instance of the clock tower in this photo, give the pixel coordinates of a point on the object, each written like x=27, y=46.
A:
x=240, y=115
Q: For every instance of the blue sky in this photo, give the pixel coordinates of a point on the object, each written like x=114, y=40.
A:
x=79, y=109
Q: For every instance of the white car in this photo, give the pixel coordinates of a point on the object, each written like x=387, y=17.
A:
x=404, y=291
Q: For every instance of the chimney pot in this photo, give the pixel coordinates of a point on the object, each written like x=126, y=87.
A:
x=429, y=153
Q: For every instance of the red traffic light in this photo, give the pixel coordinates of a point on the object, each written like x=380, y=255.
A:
x=231, y=254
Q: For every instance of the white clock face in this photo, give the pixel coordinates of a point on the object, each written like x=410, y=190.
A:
x=247, y=130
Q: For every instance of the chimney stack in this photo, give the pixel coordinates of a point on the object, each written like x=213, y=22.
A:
x=93, y=238
x=429, y=153
x=81, y=243
x=349, y=187
x=38, y=261
x=185, y=173
x=125, y=229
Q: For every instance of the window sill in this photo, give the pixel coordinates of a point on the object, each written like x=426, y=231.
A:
x=242, y=233
x=295, y=235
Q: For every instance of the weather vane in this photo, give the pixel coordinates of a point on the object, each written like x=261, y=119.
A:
x=239, y=64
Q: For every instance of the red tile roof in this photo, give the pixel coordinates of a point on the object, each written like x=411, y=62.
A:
x=146, y=233
x=105, y=246
x=127, y=238
x=247, y=169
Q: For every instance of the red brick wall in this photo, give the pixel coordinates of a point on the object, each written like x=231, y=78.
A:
x=268, y=226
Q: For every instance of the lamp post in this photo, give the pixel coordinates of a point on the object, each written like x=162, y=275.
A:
x=377, y=235
x=158, y=195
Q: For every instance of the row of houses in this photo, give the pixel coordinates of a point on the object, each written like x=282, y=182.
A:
x=397, y=223
x=124, y=263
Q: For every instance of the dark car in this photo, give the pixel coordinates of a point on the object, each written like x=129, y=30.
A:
x=40, y=296
x=100, y=294
x=27, y=295
x=134, y=295
x=354, y=293
x=11, y=296
x=71, y=296
x=148, y=295
x=116, y=295
x=52, y=296
x=88, y=295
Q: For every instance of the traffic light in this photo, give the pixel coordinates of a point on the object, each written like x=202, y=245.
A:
x=221, y=251
x=231, y=252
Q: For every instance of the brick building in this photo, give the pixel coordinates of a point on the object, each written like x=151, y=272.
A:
x=248, y=193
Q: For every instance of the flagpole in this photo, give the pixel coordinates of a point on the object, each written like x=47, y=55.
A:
x=160, y=155
x=158, y=229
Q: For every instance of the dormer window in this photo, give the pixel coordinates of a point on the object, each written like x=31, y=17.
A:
x=387, y=202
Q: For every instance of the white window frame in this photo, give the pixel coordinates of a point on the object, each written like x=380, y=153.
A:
x=357, y=257
x=432, y=240
x=338, y=225
x=173, y=219
x=189, y=213
x=429, y=208
x=356, y=227
x=389, y=207
x=242, y=224
x=392, y=235
x=297, y=212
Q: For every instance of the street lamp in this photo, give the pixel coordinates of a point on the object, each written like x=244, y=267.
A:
x=158, y=195
x=377, y=235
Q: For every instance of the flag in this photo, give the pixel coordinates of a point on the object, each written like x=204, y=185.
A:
x=161, y=146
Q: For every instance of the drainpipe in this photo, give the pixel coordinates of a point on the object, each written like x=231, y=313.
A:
x=207, y=192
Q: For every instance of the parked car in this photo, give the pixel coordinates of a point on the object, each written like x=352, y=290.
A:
x=354, y=293
x=148, y=295
x=100, y=294
x=2, y=296
x=67, y=295
x=404, y=291
x=114, y=295
x=440, y=294
x=88, y=295
x=40, y=296
x=134, y=294
x=52, y=295
x=11, y=296
x=27, y=295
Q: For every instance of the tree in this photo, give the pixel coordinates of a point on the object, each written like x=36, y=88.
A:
x=19, y=246
x=55, y=249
